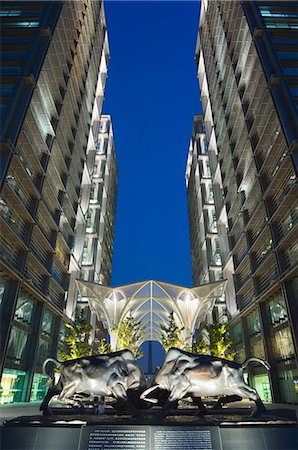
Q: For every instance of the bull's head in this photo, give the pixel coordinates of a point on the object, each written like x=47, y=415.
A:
x=169, y=378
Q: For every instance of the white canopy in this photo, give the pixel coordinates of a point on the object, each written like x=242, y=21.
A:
x=151, y=302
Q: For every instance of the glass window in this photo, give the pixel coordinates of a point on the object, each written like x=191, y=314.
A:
x=17, y=54
x=287, y=55
x=20, y=24
x=17, y=346
x=10, y=70
x=10, y=13
x=24, y=310
x=276, y=310
x=290, y=70
x=44, y=351
x=3, y=285
x=262, y=386
x=255, y=337
x=238, y=342
x=6, y=91
x=280, y=334
x=11, y=388
x=39, y=388
x=48, y=322
x=288, y=382
x=3, y=109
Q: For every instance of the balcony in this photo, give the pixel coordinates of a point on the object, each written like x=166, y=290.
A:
x=34, y=277
x=21, y=202
x=267, y=276
x=11, y=254
x=55, y=297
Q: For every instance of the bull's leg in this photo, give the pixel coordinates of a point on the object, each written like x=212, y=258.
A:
x=68, y=392
x=178, y=392
x=251, y=394
x=55, y=390
x=119, y=392
x=227, y=399
x=198, y=402
x=260, y=405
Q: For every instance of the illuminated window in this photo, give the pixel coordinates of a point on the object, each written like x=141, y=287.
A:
x=10, y=13
x=39, y=388
x=255, y=338
x=281, y=338
x=3, y=285
x=11, y=388
x=20, y=24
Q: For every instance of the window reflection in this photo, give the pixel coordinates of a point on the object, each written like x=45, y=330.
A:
x=281, y=338
x=24, y=309
x=17, y=345
x=255, y=337
x=237, y=337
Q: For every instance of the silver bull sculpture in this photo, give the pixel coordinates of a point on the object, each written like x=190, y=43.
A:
x=114, y=374
x=185, y=374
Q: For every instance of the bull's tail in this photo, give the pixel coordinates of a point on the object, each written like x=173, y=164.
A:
x=261, y=361
x=54, y=361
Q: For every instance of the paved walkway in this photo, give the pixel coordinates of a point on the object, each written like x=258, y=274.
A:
x=11, y=411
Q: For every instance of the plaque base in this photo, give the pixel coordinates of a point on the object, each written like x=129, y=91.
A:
x=182, y=429
x=148, y=437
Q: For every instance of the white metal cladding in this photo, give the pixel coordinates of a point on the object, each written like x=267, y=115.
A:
x=151, y=302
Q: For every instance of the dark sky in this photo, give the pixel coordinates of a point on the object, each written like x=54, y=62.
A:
x=152, y=95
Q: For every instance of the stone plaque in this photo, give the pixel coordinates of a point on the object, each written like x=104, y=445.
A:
x=113, y=438
x=185, y=438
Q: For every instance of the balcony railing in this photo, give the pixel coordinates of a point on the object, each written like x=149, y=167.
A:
x=37, y=280
x=10, y=255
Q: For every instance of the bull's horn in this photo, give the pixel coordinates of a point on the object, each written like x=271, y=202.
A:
x=145, y=393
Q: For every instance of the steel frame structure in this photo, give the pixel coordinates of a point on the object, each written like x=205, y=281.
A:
x=151, y=302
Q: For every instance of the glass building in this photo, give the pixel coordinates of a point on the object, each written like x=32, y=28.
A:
x=203, y=229
x=92, y=254
x=54, y=58
x=247, y=68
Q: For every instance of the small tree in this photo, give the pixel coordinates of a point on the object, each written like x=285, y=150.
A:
x=170, y=336
x=220, y=343
x=76, y=341
x=129, y=336
x=104, y=347
x=200, y=346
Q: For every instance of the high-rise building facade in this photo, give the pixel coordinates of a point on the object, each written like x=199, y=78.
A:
x=203, y=231
x=91, y=259
x=99, y=237
x=247, y=70
x=54, y=58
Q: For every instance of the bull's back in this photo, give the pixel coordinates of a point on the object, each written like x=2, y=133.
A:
x=207, y=383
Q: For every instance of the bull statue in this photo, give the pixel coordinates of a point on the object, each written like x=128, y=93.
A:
x=115, y=374
x=185, y=374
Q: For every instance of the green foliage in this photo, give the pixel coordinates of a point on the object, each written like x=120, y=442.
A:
x=104, y=347
x=199, y=346
x=220, y=343
x=76, y=340
x=170, y=336
x=129, y=336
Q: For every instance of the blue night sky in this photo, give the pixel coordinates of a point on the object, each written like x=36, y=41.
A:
x=152, y=94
